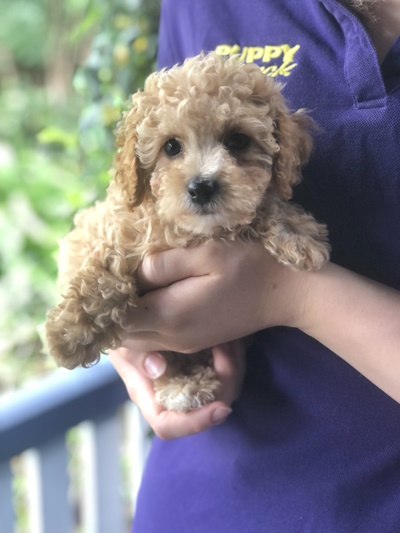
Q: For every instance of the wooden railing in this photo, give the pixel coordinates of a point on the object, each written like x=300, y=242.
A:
x=112, y=444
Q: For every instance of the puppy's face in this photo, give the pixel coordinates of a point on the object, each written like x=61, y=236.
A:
x=213, y=165
x=208, y=143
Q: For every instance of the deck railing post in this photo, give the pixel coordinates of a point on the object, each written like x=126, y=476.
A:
x=6, y=502
x=57, y=513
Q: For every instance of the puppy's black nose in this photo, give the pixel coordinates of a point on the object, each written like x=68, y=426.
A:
x=202, y=190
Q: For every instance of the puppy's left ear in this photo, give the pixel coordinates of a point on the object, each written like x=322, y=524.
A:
x=130, y=176
x=294, y=150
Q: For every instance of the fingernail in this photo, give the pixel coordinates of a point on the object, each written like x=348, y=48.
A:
x=155, y=365
x=220, y=415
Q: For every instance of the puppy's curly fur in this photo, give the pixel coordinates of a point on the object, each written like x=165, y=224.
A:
x=208, y=150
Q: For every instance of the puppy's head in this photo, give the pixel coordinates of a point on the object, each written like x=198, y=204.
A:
x=208, y=142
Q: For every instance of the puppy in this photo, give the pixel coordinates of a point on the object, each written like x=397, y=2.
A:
x=208, y=150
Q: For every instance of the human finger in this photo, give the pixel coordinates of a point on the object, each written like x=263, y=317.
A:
x=163, y=310
x=164, y=268
x=170, y=425
x=167, y=425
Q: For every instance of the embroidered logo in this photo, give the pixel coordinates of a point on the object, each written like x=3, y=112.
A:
x=275, y=60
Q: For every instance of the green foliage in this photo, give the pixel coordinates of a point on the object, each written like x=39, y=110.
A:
x=69, y=66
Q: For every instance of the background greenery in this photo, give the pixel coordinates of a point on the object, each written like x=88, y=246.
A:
x=67, y=67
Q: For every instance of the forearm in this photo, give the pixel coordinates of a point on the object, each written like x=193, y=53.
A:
x=197, y=307
x=357, y=319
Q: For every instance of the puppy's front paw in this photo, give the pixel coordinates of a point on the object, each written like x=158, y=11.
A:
x=73, y=339
x=304, y=252
x=189, y=383
x=295, y=238
x=92, y=317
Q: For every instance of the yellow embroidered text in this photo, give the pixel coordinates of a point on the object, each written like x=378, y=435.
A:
x=281, y=57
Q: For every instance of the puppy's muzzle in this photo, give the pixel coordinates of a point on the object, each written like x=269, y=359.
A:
x=202, y=191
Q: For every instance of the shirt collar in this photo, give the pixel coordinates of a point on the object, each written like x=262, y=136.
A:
x=361, y=66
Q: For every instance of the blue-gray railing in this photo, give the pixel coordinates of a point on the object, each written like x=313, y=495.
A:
x=37, y=418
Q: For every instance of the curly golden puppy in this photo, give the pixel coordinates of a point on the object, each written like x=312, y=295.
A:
x=208, y=150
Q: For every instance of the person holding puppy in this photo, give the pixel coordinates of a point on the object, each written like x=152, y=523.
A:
x=307, y=436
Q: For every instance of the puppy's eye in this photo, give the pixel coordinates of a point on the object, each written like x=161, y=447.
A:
x=236, y=142
x=172, y=148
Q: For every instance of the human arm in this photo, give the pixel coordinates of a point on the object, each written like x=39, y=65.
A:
x=359, y=320
x=139, y=369
x=229, y=290
x=355, y=317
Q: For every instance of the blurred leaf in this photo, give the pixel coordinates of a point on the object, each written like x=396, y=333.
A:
x=89, y=22
x=31, y=17
x=53, y=135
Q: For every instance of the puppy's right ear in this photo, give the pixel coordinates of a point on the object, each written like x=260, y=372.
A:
x=130, y=176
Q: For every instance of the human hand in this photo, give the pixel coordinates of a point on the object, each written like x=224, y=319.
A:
x=211, y=294
x=138, y=370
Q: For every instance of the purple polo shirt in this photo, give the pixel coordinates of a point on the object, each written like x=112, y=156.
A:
x=312, y=446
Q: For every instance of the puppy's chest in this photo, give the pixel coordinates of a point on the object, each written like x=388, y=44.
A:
x=142, y=233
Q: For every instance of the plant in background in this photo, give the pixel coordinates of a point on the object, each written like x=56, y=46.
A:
x=67, y=67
